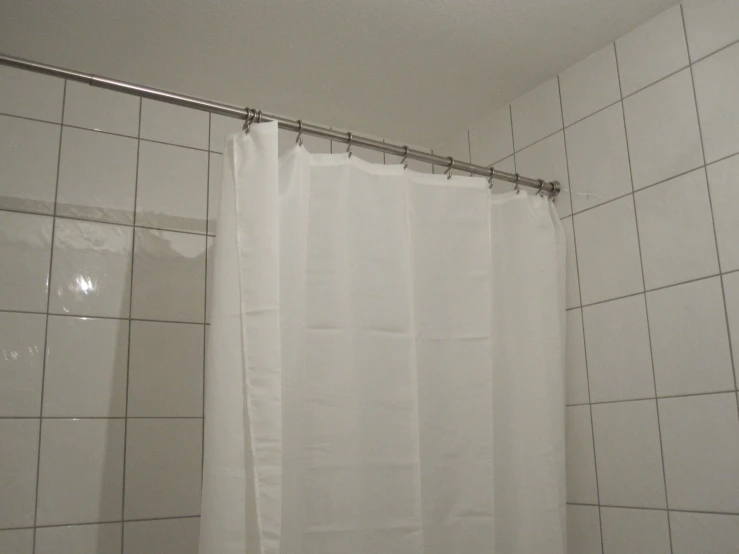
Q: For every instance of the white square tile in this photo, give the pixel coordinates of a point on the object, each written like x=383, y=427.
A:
x=174, y=124
x=676, y=231
x=31, y=94
x=700, y=438
x=21, y=363
x=580, y=463
x=703, y=533
x=97, y=176
x=627, y=531
x=162, y=381
x=652, y=51
x=220, y=127
x=547, y=160
x=26, y=241
x=662, y=129
x=101, y=109
x=583, y=530
x=17, y=541
x=172, y=187
x=81, y=473
x=536, y=114
x=491, y=138
x=29, y=151
x=619, y=358
x=167, y=536
x=598, y=159
x=590, y=85
x=576, y=373
x=628, y=454
x=572, y=280
x=710, y=24
x=79, y=539
x=457, y=147
x=169, y=276
x=608, y=251
x=209, y=278
x=91, y=270
x=731, y=290
x=689, y=340
x=215, y=176
x=722, y=181
x=163, y=467
x=18, y=458
x=85, y=367
x=716, y=83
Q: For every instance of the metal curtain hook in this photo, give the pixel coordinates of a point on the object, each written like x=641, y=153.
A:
x=449, y=168
x=349, y=144
x=250, y=115
x=299, y=140
x=259, y=116
x=517, y=188
x=540, y=192
x=490, y=179
x=404, y=161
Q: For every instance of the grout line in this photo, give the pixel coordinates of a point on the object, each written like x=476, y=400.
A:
x=205, y=311
x=658, y=397
x=104, y=522
x=88, y=316
x=130, y=325
x=46, y=326
x=106, y=417
x=680, y=510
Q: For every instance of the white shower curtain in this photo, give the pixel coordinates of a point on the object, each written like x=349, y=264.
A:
x=385, y=367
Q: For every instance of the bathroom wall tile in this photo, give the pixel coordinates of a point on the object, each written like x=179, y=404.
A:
x=166, y=382
x=166, y=536
x=703, y=533
x=91, y=270
x=163, y=468
x=25, y=248
x=676, y=231
x=710, y=24
x=608, y=251
x=101, y=109
x=79, y=539
x=572, y=282
x=590, y=85
x=536, y=114
x=81, y=473
x=97, y=176
x=627, y=531
x=619, y=358
x=716, y=83
x=18, y=457
x=576, y=372
x=700, y=438
x=29, y=151
x=220, y=127
x=85, y=367
x=491, y=138
x=172, y=187
x=215, y=176
x=628, y=457
x=581, y=483
x=174, y=124
x=662, y=129
x=547, y=160
x=30, y=94
x=731, y=290
x=210, y=276
x=689, y=340
x=598, y=159
x=21, y=363
x=722, y=181
x=583, y=530
x=169, y=276
x=17, y=541
x=652, y=51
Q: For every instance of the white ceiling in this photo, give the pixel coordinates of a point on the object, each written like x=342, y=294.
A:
x=410, y=70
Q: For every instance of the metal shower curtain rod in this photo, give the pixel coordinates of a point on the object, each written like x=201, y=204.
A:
x=249, y=115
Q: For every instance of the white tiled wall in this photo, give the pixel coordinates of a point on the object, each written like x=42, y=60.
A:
x=105, y=225
x=645, y=135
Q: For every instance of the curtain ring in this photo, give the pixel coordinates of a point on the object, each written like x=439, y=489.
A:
x=248, y=120
x=517, y=188
x=540, y=192
x=490, y=179
x=349, y=144
x=449, y=168
x=259, y=116
x=299, y=140
x=404, y=161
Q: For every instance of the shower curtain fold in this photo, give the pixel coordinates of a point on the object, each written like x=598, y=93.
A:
x=385, y=365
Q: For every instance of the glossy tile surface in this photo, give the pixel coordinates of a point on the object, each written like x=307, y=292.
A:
x=79, y=539
x=101, y=109
x=174, y=124
x=167, y=536
x=589, y=85
x=31, y=94
x=18, y=455
x=21, y=363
